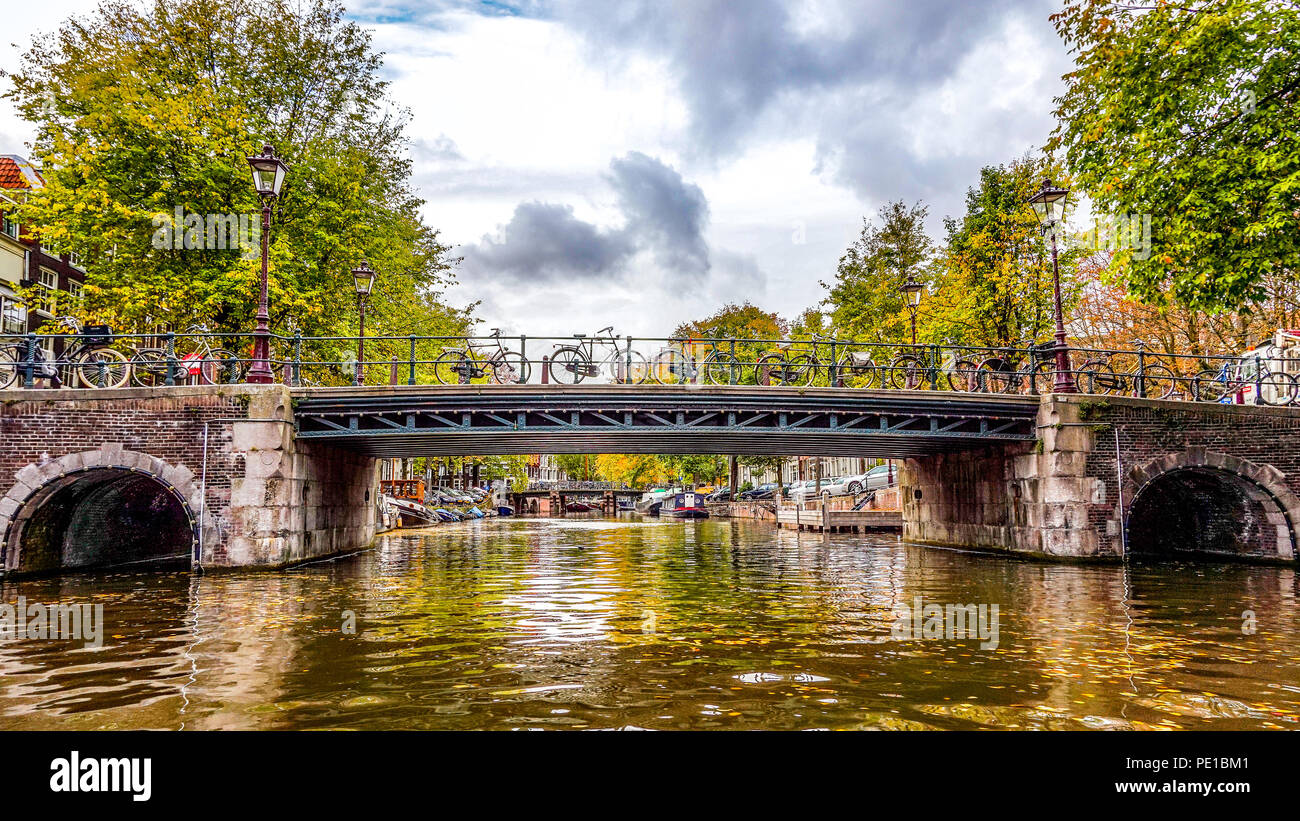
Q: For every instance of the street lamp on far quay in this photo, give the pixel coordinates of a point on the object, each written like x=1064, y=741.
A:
x=364, y=280
x=268, y=175
x=912, y=294
x=1049, y=206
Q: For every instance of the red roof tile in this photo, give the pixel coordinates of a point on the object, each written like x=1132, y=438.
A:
x=16, y=172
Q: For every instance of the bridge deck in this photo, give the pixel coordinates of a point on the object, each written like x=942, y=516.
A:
x=485, y=419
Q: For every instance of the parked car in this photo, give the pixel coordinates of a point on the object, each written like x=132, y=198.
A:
x=763, y=491
x=878, y=477
x=830, y=486
x=719, y=495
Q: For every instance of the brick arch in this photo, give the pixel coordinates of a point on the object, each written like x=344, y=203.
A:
x=38, y=482
x=1263, y=484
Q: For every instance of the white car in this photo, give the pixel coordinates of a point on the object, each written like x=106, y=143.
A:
x=831, y=486
x=874, y=479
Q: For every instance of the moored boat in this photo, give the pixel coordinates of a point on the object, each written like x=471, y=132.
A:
x=406, y=496
x=685, y=506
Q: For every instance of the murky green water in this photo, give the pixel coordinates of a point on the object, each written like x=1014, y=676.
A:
x=528, y=624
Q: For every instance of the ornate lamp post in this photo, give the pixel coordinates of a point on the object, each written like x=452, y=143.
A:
x=268, y=175
x=1049, y=207
x=912, y=294
x=364, y=279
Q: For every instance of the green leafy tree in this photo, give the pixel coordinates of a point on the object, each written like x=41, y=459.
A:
x=1189, y=112
x=865, y=300
x=143, y=109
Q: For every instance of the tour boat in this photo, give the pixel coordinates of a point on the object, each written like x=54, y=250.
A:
x=685, y=506
x=406, y=496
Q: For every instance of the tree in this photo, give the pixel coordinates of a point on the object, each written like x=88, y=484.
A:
x=993, y=281
x=695, y=467
x=144, y=110
x=1189, y=112
x=632, y=469
x=865, y=299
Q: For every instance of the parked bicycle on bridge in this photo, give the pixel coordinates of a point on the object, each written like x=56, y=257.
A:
x=570, y=364
x=88, y=361
x=460, y=365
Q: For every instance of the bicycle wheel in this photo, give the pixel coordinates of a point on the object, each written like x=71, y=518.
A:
x=1278, y=388
x=999, y=376
x=1043, y=377
x=8, y=368
x=1209, y=386
x=965, y=375
x=802, y=369
x=721, y=369
x=511, y=369
x=101, y=368
x=769, y=369
x=568, y=366
x=149, y=368
x=219, y=367
x=1095, y=377
x=451, y=367
x=1158, y=381
x=625, y=368
x=906, y=373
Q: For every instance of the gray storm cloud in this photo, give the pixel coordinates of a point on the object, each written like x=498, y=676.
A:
x=748, y=69
x=662, y=214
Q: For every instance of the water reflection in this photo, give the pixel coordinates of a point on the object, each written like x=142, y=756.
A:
x=613, y=624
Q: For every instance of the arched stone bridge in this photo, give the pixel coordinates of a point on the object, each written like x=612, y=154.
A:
x=241, y=475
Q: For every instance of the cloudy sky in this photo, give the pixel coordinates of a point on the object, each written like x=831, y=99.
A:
x=641, y=162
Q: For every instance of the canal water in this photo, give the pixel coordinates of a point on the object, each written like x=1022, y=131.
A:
x=626, y=624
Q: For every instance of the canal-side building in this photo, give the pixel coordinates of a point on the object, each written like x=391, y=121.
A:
x=37, y=283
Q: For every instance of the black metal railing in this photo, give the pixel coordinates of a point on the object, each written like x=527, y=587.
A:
x=98, y=358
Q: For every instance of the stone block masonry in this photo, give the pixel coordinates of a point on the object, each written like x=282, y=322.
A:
x=253, y=496
x=1185, y=478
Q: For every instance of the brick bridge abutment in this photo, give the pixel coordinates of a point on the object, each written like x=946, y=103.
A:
x=210, y=475
x=1110, y=477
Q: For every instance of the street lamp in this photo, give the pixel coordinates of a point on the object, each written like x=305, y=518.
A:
x=912, y=295
x=268, y=175
x=1049, y=206
x=364, y=279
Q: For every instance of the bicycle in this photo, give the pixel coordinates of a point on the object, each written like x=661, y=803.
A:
x=1002, y=374
x=570, y=364
x=460, y=365
x=88, y=361
x=910, y=371
x=1275, y=387
x=1098, y=376
x=205, y=365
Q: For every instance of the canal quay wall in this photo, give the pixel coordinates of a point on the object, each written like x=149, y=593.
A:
x=1110, y=475
x=106, y=467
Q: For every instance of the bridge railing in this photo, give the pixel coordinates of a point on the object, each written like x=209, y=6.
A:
x=100, y=360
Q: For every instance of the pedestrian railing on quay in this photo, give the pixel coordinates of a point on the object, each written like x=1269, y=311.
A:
x=94, y=357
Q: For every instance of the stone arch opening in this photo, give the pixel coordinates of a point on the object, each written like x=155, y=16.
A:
x=100, y=517
x=1201, y=510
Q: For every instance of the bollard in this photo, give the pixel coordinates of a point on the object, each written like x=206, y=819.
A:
x=546, y=370
x=410, y=380
x=392, y=372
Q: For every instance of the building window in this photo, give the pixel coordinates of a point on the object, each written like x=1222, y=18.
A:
x=76, y=290
x=8, y=227
x=13, y=316
x=49, y=279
